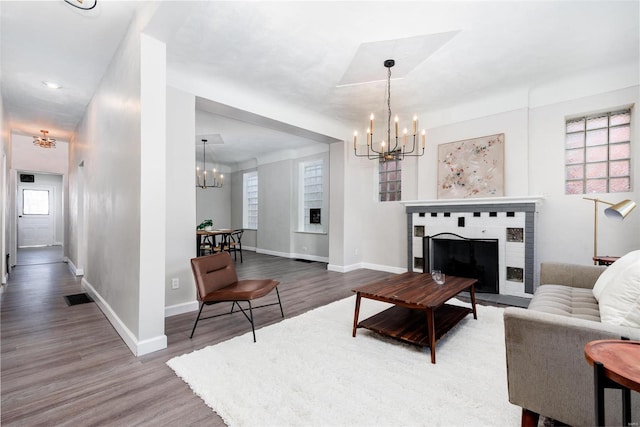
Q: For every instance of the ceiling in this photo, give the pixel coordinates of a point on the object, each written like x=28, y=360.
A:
x=322, y=57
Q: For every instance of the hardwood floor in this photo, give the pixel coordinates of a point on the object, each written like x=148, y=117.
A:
x=39, y=255
x=66, y=365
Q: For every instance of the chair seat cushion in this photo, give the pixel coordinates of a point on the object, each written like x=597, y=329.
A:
x=566, y=301
x=242, y=290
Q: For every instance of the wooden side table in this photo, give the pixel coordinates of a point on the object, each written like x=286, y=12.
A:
x=604, y=260
x=616, y=364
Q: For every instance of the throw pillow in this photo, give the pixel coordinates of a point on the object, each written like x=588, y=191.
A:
x=620, y=300
x=609, y=275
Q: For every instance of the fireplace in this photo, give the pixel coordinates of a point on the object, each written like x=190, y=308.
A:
x=508, y=220
x=456, y=255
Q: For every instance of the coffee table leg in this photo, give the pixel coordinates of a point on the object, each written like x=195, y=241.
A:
x=432, y=334
x=473, y=301
x=356, y=314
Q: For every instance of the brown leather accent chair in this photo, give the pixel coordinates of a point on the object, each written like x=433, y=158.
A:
x=217, y=282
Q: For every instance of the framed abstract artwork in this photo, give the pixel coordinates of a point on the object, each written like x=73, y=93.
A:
x=471, y=168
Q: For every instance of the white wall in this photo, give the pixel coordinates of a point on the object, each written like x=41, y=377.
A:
x=181, y=202
x=4, y=190
x=375, y=233
x=124, y=191
x=153, y=202
x=566, y=221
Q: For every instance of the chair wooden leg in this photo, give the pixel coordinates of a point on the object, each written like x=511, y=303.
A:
x=529, y=418
x=197, y=318
x=241, y=254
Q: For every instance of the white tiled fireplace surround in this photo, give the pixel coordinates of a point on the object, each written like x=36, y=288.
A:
x=510, y=220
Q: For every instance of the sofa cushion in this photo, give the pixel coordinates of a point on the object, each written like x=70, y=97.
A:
x=613, y=271
x=620, y=300
x=566, y=301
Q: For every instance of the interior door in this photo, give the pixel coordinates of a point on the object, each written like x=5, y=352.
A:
x=35, y=216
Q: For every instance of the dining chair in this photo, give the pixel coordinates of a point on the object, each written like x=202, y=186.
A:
x=235, y=244
x=217, y=282
x=207, y=244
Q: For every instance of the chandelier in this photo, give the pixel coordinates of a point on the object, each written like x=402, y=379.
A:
x=44, y=141
x=80, y=4
x=201, y=178
x=385, y=150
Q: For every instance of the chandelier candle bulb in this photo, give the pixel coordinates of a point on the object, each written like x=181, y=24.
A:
x=371, y=126
x=404, y=137
x=355, y=139
x=424, y=137
x=415, y=124
x=396, y=122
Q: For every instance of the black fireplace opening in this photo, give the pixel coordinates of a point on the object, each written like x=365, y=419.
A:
x=463, y=257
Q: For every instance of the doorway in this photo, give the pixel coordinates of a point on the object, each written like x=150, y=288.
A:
x=39, y=219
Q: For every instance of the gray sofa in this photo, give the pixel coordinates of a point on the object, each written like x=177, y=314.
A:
x=546, y=368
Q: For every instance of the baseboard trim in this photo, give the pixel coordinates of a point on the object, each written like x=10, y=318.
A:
x=344, y=268
x=74, y=270
x=138, y=348
x=369, y=266
x=293, y=255
x=385, y=268
x=186, y=307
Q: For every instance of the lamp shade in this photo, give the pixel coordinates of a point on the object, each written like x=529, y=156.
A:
x=620, y=210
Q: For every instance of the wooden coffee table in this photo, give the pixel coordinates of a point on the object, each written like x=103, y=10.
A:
x=419, y=315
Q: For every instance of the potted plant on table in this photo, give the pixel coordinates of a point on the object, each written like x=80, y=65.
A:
x=206, y=225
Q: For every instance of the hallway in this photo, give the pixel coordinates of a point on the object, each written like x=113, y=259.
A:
x=66, y=365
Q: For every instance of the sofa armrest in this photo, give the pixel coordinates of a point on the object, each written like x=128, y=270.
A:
x=546, y=368
x=574, y=275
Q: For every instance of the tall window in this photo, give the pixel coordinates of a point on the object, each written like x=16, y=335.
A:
x=390, y=181
x=250, y=200
x=311, y=196
x=598, y=153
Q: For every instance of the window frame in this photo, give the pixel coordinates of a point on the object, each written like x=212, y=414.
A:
x=250, y=198
x=572, y=138
x=304, y=202
x=384, y=194
x=24, y=198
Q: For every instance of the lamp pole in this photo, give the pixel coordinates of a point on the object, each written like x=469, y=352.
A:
x=595, y=225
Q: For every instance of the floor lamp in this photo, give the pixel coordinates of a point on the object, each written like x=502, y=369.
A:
x=617, y=211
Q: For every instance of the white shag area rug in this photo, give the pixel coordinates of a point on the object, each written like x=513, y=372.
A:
x=309, y=371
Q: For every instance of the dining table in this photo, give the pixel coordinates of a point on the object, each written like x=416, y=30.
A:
x=223, y=232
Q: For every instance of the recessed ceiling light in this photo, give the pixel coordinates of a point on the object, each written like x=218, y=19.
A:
x=51, y=85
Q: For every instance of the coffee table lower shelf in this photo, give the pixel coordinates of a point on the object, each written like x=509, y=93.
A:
x=410, y=325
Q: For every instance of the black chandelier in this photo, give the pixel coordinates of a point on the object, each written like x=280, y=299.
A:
x=80, y=4
x=201, y=179
x=385, y=150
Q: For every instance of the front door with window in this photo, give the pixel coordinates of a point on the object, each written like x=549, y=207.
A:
x=35, y=216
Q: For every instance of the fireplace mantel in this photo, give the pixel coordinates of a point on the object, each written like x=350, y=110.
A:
x=475, y=201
